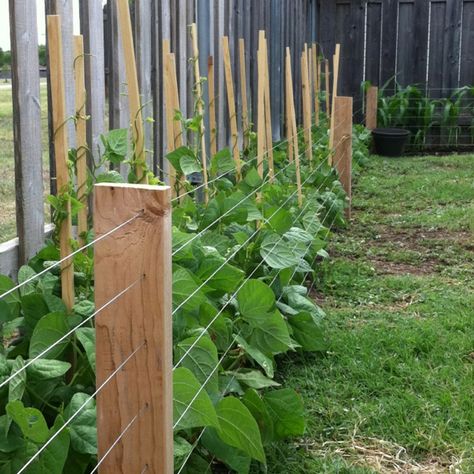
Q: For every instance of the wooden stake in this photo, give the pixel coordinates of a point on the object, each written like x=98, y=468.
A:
x=335, y=77
x=371, y=107
x=212, y=105
x=342, y=113
x=58, y=103
x=288, y=109
x=268, y=114
x=138, y=326
x=292, y=119
x=261, y=127
x=200, y=109
x=328, y=93
x=231, y=104
x=315, y=73
x=306, y=95
x=136, y=121
x=243, y=93
x=81, y=138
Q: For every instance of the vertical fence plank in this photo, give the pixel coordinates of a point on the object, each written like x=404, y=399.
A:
x=371, y=108
x=58, y=104
x=343, y=144
x=92, y=28
x=81, y=136
x=26, y=129
x=137, y=327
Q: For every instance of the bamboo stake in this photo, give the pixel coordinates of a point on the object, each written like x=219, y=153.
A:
x=268, y=114
x=335, y=78
x=200, y=109
x=81, y=138
x=306, y=107
x=212, y=105
x=58, y=103
x=231, y=104
x=136, y=121
x=243, y=93
x=316, y=83
x=293, y=129
x=326, y=83
x=261, y=129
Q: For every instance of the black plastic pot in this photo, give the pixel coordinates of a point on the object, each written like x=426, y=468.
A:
x=390, y=141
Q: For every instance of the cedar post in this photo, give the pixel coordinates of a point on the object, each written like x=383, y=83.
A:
x=212, y=106
x=342, y=160
x=81, y=136
x=371, y=108
x=58, y=103
x=268, y=113
x=243, y=93
x=231, y=105
x=306, y=94
x=261, y=128
x=316, y=85
x=139, y=397
x=328, y=92
x=335, y=78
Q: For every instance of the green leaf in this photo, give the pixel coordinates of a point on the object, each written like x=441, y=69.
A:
x=84, y=308
x=254, y=379
x=253, y=179
x=238, y=428
x=222, y=162
x=24, y=273
x=272, y=337
x=307, y=332
x=86, y=337
x=10, y=439
x=255, y=298
x=225, y=279
x=175, y=156
x=286, y=409
x=189, y=164
x=50, y=329
x=181, y=450
x=184, y=285
x=278, y=254
x=111, y=176
x=117, y=141
x=83, y=428
x=45, y=369
x=279, y=219
x=259, y=357
x=34, y=307
x=13, y=299
x=201, y=359
x=16, y=387
x=30, y=420
x=232, y=457
x=187, y=393
x=259, y=411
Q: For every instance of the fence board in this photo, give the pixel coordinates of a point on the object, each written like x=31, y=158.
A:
x=467, y=51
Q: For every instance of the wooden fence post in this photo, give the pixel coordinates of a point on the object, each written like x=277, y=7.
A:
x=81, y=137
x=212, y=105
x=243, y=93
x=328, y=92
x=306, y=94
x=261, y=127
x=335, y=78
x=315, y=73
x=231, y=104
x=135, y=107
x=342, y=113
x=371, y=107
x=60, y=133
x=139, y=397
x=200, y=108
x=26, y=130
x=268, y=113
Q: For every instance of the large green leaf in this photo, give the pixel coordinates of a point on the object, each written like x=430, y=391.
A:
x=307, y=332
x=222, y=162
x=189, y=164
x=30, y=420
x=286, y=409
x=49, y=329
x=187, y=393
x=254, y=379
x=83, y=428
x=186, y=288
x=259, y=410
x=219, y=275
x=259, y=357
x=255, y=298
x=13, y=299
x=175, y=156
x=46, y=369
x=24, y=274
x=10, y=439
x=86, y=337
x=16, y=387
x=34, y=307
x=272, y=337
x=278, y=253
x=238, y=428
x=199, y=355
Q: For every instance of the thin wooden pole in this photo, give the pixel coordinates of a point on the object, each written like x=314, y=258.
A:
x=342, y=113
x=334, y=93
x=315, y=73
x=212, y=105
x=288, y=94
x=261, y=127
x=81, y=136
x=306, y=95
x=58, y=103
x=123, y=14
x=268, y=114
x=200, y=109
x=243, y=93
x=293, y=128
x=371, y=107
x=134, y=335
x=328, y=92
x=178, y=129
x=231, y=104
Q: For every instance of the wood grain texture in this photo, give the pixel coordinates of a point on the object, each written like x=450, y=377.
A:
x=261, y=128
x=243, y=93
x=81, y=136
x=26, y=131
x=58, y=104
x=335, y=79
x=268, y=114
x=315, y=73
x=212, y=106
x=306, y=97
x=327, y=86
x=231, y=105
x=343, y=144
x=136, y=121
x=140, y=320
x=371, y=108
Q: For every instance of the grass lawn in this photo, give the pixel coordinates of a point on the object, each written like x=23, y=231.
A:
x=7, y=161
x=395, y=390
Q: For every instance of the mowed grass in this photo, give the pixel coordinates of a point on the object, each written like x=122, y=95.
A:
x=395, y=390
x=7, y=160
